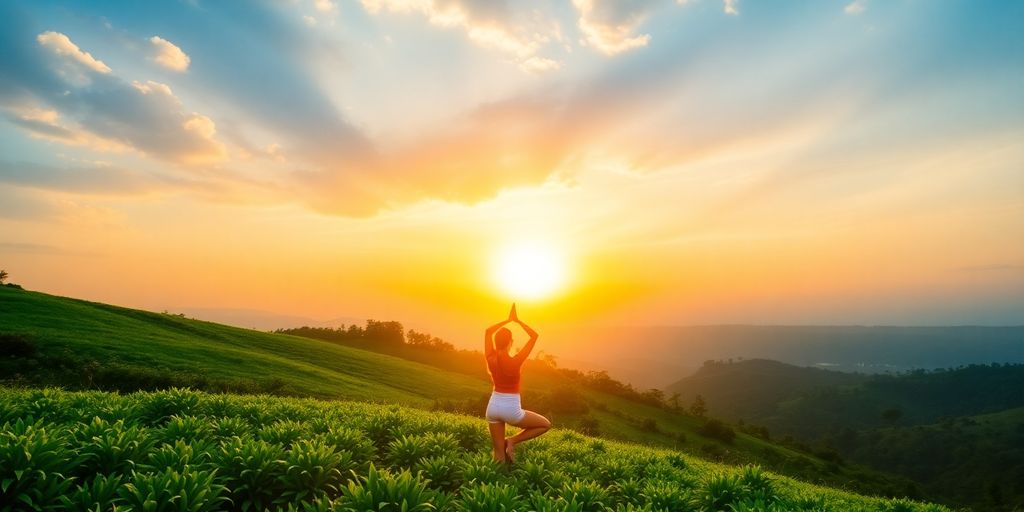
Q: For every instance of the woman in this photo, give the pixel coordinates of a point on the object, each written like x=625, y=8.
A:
x=505, y=406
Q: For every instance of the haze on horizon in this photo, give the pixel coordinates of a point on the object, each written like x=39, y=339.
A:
x=685, y=162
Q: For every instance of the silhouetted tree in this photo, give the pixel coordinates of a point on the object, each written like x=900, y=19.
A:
x=3, y=276
x=699, y=407
x=674, y=401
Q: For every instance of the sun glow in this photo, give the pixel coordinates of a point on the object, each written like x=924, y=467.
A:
x=529, y=270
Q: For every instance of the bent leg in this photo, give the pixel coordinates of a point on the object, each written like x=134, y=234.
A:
x=533, y=425
x=498, y=440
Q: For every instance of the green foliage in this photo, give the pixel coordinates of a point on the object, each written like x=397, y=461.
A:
x=491, y=498
x=382, y=491
x=173, y=491
x=178, y=450
x=252, y=470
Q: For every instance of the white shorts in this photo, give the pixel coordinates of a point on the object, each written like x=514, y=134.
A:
x=505, y=408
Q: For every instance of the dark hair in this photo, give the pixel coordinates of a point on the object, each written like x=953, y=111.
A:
x=503, y=338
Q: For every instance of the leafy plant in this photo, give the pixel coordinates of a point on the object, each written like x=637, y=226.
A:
x=313, y=468
x=173, y=491
x=491, y=498
x=381, y=491
x=34, y=463
x=252, y=470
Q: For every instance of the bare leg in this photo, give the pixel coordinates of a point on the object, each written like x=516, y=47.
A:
x=498, y=440
x=533, y=425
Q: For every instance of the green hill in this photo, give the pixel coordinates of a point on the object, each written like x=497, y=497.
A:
x=186, y=450
x=969, y=460
x=957, y=432
x=75, y=344
x=753, y=388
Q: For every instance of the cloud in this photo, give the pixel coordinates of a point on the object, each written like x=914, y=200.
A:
x=518, y=142
x=855, y=7
x=61, y=45
x=729, y=7
x=609, y=25
x=168, y=55
x=103, y=110
x=84, y=179
x=46, y=124
x=324, y=6
x=492, y=24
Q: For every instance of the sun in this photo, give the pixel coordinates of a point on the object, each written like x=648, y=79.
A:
x=529, y=270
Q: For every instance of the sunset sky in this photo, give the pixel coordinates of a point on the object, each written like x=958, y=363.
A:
x=680, y=162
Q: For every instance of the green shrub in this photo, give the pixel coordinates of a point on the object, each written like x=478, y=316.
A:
x=717, y=430
x=35, y=466
x=313, y=468
x=173, y=491
x=99, y=494
x=381, y=491
x=720, y=491
x=492, y=498
x=252, y=470
x=17, y=345
x=283, y=432
x=110, y=447
x=351, y=440
x=441, y=470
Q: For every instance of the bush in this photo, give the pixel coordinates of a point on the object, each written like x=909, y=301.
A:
x=717, y=430
x=17, y=345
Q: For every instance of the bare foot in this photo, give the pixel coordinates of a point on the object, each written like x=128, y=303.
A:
x=510, y=451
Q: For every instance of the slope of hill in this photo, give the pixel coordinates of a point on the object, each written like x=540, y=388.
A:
x=184, y=450
x=88, y=344
x=83, y=345
x=753, y=388
x=957, y=432
x=972, y=460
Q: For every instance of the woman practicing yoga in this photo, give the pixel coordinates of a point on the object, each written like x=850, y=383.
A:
x=505, y=406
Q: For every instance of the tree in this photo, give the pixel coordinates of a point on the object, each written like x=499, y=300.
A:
x=674, y=401
x=699, y=407
x=3, y=276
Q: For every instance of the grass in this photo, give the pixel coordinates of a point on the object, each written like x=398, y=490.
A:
x=188, y=450
x=85, y=332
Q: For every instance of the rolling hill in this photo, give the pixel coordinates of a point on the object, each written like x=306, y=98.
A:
x=957, y=432
x=75, y=344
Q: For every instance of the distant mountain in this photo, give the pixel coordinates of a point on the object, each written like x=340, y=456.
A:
x=656, y=356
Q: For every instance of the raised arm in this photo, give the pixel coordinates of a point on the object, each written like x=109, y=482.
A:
x=525, y=351
x=489, y=337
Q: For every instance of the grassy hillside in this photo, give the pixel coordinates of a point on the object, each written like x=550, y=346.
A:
x=185, y=450
x=971, y=460
x=120, y=348
x=753, y=388
x=957, y=432
x=77, y=344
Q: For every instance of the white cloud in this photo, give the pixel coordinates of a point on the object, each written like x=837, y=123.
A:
x=169, y=55
x=729, y=7
x=324, y=6
x=609, y=25
x=855, y=7
x=61, y=45
x=488, y=23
